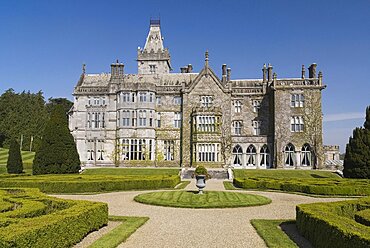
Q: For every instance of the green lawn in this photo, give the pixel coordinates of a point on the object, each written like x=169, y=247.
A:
x=273, y=236
x=209, y=199
x=120, y=233
x=283, y=174
x=131, y=171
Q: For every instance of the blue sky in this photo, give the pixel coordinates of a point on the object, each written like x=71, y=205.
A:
x=43, y=44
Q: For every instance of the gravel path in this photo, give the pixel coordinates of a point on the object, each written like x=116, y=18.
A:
x=180, y=227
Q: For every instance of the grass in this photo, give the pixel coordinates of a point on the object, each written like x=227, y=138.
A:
x=131, y=171
x=283, y=174
x=120, y=233
x=210, y=199
x=229, y=185
x=182, y=185
x=273, y=236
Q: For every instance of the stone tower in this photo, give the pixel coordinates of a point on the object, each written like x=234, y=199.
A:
x=154, y=58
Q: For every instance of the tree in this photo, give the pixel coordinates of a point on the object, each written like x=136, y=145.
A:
x=67, y=104
x=14, y=164
x=57, y=153
x=357, y=158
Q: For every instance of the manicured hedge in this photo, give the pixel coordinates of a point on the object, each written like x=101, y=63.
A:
x=90, y=183
x=48, y=222
x=324, y=186
x=333, y=224
x=363, y=217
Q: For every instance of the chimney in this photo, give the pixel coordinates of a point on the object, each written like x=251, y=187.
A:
x=264, y=70
x=224, y=72
x=312, y=71
x=117, y=69
x=190, y=68
x=320, y=78
x=303, y=72
x=228, y=74
x=269, y=72
x=183, y=69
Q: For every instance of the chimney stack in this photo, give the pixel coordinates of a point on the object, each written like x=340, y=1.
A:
x=264, y=70
x=312, y=71
x=183, y=69
x=224, y=72
x=269, y=72
x=228, y=74
x=190, y=68
x=303, y=72
x=117, y=69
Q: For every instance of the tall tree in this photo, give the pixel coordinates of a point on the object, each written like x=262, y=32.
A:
x=14, y=164
x=357, y=158
x=22, y=114
x=57, y=153
x=52, y=102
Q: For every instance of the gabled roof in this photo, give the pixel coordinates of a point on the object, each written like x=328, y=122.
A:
x=207, y=72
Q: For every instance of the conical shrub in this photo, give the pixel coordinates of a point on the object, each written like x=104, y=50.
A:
x=14, y=164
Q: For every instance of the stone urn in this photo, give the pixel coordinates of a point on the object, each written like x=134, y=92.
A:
x=201, y=182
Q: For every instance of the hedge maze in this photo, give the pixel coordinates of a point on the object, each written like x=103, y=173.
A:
x=342, y=224
x=29, y=218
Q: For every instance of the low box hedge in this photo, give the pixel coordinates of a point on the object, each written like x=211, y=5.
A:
x=324, y=186
x=59, y=223
x=90, y=183
x=363, y=217
x=333, y=224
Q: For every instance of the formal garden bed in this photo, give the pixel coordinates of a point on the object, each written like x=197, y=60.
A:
x=29, y=218
x=209, y=199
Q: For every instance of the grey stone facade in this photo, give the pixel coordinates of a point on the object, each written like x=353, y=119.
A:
x=159, y=118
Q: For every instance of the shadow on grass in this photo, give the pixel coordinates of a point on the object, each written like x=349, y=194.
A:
x=290, y=229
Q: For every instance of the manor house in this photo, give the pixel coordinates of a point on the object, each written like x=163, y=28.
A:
x=160, y=118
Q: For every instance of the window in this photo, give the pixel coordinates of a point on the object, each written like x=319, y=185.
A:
x=158, y=100
x=169, y=147
x=289, y=153
x=142, y=118
x=296, y=100
x=137, y=149
x=100, y=147
x=90, y=150
x=238, y=106
x=177, y=100
x=237, y=127
x=152, y=69
x=142, y=97
x=306, y=155
x=237, y=153
x=96, y=120
x=207, y=152
x=126, y=118
x=177, y=120
x=296, y=124
x=251, y=155
x=89, y=120
x=133, y=118
x=158, y=119
x=256, y=105
x=206, y=101
x=150, y=97
x=125, y=97
x=265, y=156
x=206, y=124
x=256, y=127
x=150, y=118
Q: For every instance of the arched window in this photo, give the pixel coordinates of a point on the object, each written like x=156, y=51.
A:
x=237, y=153
x=289, y=155
x=265, y=156
x=251, y=155
x=306, y=155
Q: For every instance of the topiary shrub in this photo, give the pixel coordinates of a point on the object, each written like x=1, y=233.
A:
x=14, y=164
x=57, y=153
